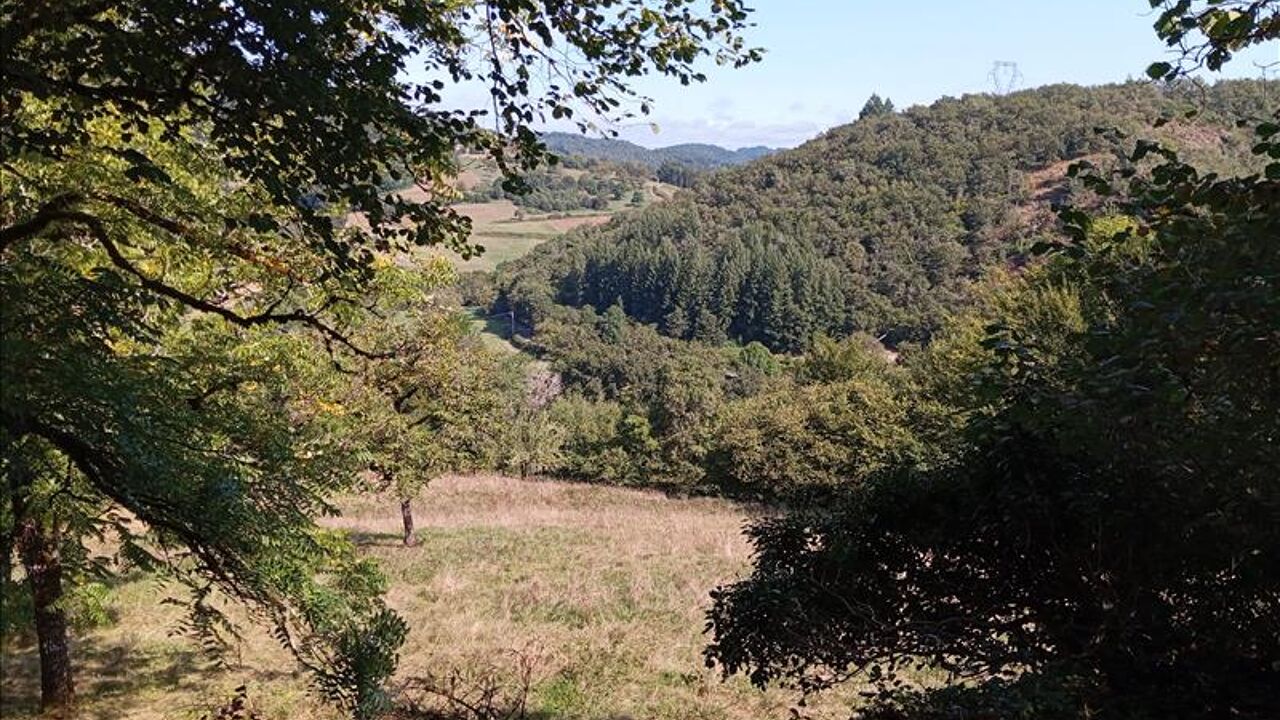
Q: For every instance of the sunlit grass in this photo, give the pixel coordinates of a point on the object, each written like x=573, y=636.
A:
x=601, y=590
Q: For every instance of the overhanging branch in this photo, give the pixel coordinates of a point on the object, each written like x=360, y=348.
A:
x=96, y=227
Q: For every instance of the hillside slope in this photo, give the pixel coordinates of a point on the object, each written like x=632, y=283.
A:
x=876, y=226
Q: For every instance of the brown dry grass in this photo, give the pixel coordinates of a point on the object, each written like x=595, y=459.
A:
x=504, y=236
x=603, y=589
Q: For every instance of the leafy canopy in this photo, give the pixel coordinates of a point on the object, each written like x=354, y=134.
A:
x=316, y=102
x=176, y=177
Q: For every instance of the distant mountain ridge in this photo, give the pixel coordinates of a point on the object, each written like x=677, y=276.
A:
x=702, y=156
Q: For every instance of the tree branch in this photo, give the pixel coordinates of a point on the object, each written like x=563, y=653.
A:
x=59, y=208
x=330, y=334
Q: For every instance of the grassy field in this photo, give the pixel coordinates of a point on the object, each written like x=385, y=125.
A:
x=495, y=228
x=507, y=232
x=592, y=597
x=495, y=332
x=504, y=235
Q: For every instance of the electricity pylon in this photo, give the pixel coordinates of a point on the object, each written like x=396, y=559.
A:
x=1004, y=76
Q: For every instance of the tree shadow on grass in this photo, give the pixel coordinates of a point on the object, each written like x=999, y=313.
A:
x=113, y=680
x=116, y=680
x=506, y=691
x=361, y=538
x=488, y=714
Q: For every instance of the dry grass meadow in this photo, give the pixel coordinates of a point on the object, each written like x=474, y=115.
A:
x=507, y=232
x=495, y=228
x=578, y=601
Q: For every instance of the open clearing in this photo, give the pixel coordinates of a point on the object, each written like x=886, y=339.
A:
x=507, y=232
x=599, y=592
x=495, y=228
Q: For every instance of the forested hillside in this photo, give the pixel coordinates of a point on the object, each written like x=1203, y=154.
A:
x=877, y=226
x=988, y=391
x=699, y=156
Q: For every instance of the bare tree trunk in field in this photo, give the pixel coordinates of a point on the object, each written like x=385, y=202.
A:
x=406, y=514
x=38, y=547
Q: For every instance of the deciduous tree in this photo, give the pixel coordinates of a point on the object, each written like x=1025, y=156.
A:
x=177, y=178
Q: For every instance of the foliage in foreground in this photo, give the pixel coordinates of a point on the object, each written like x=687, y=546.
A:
x=1107, y=534
x=195, y=447
x=182, y=303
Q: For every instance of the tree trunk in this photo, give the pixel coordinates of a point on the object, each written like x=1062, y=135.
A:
x=6, y=577
x=406, y=514
x=38, y=547
x=18, y=480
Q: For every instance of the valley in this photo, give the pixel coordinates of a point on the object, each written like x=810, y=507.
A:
x=357, y=365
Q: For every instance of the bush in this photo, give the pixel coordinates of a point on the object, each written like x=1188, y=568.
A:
x=591, y=448
x=801, y=441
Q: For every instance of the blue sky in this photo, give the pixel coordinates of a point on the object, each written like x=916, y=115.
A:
x=825, y=57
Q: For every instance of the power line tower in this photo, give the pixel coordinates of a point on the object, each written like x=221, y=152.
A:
x=1004, y=76
x=1266, y=69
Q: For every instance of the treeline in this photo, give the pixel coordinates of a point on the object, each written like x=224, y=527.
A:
x=553, y=190
x=1067, y=494
x=1091, y=530
x=877, y=226
x=677, y=173
x=634, y=407
x=698, y=156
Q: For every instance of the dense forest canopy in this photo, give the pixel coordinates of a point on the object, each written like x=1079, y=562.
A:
x=1094, y=535
x=879, y=226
